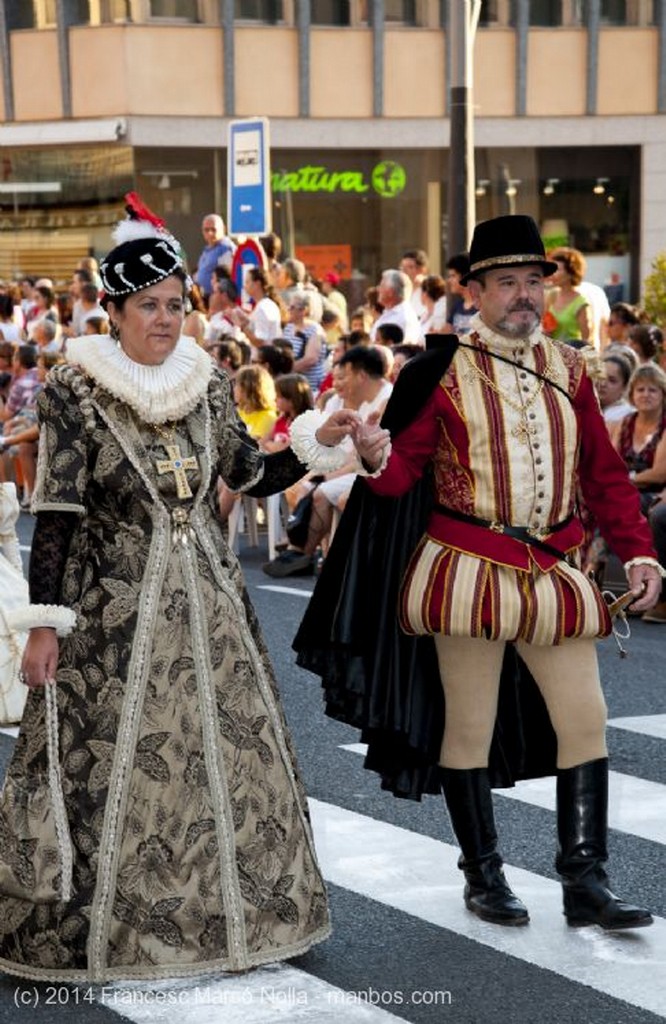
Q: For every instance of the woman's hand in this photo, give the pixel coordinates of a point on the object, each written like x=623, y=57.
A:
x=339, y=425
x=371, y=440
x=40, y=658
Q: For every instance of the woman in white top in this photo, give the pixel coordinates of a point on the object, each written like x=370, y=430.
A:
x=433, y=299
x=612, y=388
x=264, y=324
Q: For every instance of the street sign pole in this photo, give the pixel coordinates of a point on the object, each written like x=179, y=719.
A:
x=249, y=204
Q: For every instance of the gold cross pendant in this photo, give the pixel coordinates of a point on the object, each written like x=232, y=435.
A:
x=177, y=465
x=523, y=432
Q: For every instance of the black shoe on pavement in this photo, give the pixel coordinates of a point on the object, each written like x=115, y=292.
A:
x=290, y=563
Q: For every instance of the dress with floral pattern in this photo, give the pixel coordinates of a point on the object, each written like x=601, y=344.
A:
x=191, y=840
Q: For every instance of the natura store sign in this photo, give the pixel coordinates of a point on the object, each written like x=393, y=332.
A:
x=387, y=179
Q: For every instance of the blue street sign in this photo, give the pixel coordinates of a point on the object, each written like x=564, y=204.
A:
x=248, y=177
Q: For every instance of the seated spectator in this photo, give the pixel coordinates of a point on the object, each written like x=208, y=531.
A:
x=195, y=323
x=229, y=356
x=361, y=320
x=272, y=246
x=6, y=356
x=433, y=300
x=622, y=318
x=45, y=336
x=276, y=359
x=264, y=324
x=645, y=340
x=460, y=308
x=640, y=438
x=332, y=326
x=90, y=264
x=334, y=300
x=386, y=356
x=21, y=434
x=222, y=304
x=308, y=340
x=254, y=394
x=293, y=396
x=401, y=354
x=568, y=314
x=86, y=306
x=612, y=387
x=10, y=330
x=45, y=307
x=96, y=325
x=393, y=294
x=389, y=334
x=414, y=263
x=25, y=383
x=362, y=387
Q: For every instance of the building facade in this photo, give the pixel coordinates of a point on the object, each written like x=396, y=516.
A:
x=103, y=96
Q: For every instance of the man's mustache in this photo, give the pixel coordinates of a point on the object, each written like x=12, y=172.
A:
x=519, y=307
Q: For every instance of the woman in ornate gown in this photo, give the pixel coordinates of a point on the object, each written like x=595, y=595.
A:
x=191, y=844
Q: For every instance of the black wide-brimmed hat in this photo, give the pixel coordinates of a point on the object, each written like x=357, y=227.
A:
x=510, y=241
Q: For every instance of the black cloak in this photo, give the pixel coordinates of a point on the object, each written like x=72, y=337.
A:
x=374, y=676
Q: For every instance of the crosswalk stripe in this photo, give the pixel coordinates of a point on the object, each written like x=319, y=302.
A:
x=419, y=876
x=278, y=992
x=648, y=725
x=637, y=806
x=276, y=589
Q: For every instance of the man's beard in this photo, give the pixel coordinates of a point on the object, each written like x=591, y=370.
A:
x=518, y=330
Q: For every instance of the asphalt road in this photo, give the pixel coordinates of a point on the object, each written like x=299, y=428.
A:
x=391, y=953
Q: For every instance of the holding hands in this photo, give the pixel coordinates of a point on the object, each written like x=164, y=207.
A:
x=370, y=440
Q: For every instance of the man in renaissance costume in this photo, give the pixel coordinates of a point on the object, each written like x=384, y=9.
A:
x=470, y=517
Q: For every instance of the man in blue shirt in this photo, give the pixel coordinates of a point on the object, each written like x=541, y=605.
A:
x=217, y=252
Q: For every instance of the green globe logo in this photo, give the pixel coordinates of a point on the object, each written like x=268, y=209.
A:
x=389, y=179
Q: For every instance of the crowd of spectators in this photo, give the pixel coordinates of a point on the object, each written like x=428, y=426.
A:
x=292, y=343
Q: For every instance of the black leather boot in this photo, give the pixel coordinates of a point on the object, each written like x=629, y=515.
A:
x=582, y=802
x=487, y=893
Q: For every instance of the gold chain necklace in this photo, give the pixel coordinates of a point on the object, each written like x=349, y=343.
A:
x=165, y=431
x=522, y=431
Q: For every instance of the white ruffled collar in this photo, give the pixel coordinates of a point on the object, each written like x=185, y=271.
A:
x=499, y=341
x=157, y=393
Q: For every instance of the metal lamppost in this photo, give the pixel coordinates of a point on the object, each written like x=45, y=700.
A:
x=463, y=19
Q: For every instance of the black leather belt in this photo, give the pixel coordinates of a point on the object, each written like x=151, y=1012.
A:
x=518, y=532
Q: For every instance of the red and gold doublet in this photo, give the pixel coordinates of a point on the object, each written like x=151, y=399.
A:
x=511, y=448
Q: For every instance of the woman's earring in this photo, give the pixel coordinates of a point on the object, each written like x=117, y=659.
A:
x=113, y=330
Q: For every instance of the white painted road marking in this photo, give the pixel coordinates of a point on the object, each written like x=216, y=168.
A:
x=419, y=876
x=635, y=805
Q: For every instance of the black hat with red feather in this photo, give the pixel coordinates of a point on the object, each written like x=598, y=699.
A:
x=145, y=252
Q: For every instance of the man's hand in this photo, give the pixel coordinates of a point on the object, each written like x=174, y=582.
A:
x=339, y=425
x=40, y=658
x=371, y=441
x=647, y=576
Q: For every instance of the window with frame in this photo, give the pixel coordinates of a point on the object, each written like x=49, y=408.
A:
x=330, y=12
x=400, y=11
x=269, y=11
x=182, y=10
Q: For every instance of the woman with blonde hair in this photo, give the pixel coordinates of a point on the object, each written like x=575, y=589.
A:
x=254, y=394
x=568, y=315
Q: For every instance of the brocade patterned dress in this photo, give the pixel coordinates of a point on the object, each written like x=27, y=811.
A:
x=192, y=848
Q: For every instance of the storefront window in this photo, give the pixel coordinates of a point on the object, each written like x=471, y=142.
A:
x=586, y=198
x=58, y=204
x=356, y=212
